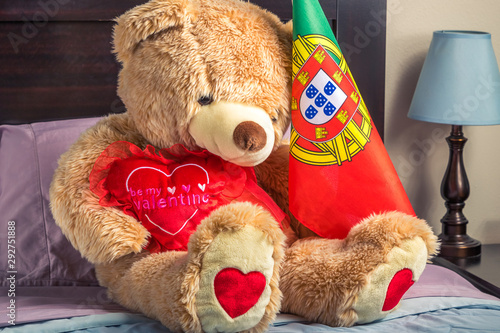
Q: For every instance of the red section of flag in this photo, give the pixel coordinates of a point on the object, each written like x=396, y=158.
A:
x=340, y=172
x=330, y=200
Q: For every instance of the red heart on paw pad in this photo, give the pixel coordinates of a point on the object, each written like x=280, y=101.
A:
x=238, y=292
x=399, y=285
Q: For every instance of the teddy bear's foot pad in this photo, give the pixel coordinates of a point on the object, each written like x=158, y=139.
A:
x=238, y=292
x=234, y=281
x=388, y=282
x=399, y=285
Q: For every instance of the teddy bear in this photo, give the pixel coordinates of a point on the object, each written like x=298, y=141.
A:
x=181, y=202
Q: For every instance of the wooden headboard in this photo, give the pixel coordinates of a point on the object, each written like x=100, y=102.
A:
x=56, y=60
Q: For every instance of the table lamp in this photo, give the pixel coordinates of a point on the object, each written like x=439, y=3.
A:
x=459, y=85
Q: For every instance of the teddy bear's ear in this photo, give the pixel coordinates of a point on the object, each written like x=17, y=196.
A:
x=289, y=27
x=145, y=20
x=286, y=33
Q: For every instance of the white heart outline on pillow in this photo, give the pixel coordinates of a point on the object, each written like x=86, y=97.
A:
x=168, y=176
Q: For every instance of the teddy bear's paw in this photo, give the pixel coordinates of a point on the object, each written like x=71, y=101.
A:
x=239, y=248
x=234, y=281
x=389, y=281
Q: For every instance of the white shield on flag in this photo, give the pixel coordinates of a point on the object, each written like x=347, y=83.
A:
x=324, y=100
x=321, y=99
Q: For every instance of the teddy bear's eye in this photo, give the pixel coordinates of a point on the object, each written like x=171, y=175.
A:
x=205, y=100
x=274, y=117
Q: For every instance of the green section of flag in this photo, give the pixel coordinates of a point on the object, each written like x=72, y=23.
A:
x=309, y=19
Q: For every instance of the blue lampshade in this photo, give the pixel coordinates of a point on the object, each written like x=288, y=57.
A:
x=460, y=81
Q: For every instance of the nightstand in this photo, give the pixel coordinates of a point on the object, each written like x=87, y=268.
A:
x=483, y=271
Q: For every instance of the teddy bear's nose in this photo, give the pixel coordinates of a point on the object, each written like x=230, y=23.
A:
x=250, y=136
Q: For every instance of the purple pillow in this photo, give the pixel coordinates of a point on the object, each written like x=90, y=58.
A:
x=28, y=158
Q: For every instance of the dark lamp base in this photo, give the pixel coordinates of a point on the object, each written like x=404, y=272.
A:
x=455, y=190
x=461, y=247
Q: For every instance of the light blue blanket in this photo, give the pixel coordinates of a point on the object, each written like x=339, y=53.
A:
x=423, y=314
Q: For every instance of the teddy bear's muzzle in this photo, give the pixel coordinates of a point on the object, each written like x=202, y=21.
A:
x=241, y=134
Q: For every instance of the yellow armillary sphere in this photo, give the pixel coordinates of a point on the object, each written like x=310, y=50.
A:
x=353, y=137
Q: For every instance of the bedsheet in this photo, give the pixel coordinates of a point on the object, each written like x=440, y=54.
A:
x=426, y=314
x=441, y=301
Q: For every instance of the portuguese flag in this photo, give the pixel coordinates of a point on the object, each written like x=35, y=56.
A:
x=340, y=171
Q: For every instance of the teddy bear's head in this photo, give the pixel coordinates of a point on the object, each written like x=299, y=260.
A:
x=211, y=74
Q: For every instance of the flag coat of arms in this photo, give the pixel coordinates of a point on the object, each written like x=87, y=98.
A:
x=339, y=169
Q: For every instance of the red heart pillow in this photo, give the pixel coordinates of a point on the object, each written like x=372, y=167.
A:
x=172, y=191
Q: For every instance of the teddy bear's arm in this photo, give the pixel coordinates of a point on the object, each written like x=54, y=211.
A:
x=272, y=176
x=101, y=234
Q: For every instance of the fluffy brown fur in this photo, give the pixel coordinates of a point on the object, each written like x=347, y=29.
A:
x=173, y=53
x=321, y=274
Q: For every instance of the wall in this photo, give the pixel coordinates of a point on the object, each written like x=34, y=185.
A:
x=418, y=149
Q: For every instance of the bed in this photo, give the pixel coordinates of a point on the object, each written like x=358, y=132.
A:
x=58, y=77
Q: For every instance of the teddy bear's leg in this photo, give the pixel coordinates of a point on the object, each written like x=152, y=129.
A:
x=149, y=283
x=227, y=281
x=235, y=256
x=361, y=278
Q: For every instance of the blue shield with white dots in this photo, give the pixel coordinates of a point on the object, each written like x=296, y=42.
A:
x=321, y=99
